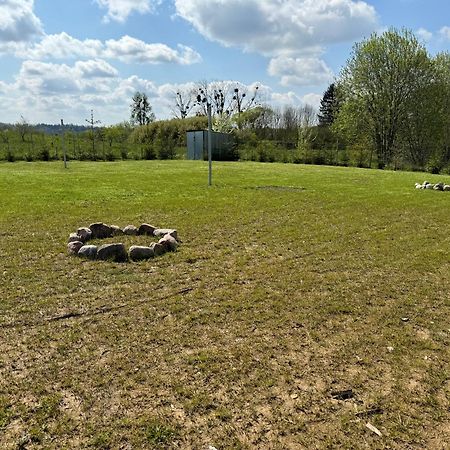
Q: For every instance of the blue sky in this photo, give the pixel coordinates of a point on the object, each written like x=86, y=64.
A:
x=62, y=58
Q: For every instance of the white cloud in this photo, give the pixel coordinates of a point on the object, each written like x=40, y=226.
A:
x=46, y=92
x=61, y=46
x=290, y=98
x=300, y=71
x=125, y=49
x=127, y=87
x=313, y=100
x=47, y=79
x=274, y=27
x=424, y=34
x=18, y=23
x=129, y=49
x=40, y=78
x=445, y=32
x=95, y=69
x=119, y=10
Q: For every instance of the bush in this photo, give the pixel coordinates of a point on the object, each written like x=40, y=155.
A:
x=148, y=152
x=124, y=153
x=44, y=154
x=434, y=165
x=109, y=156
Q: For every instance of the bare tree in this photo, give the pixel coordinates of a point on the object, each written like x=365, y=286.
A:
x=306, y=130
x=22, y=127
x=92, y=122
x=226, y=98
x=184, y=102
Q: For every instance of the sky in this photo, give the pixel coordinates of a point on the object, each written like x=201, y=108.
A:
x=60, y=59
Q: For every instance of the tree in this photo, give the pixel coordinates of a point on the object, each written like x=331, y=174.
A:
x=306, y=133
x=22, y=127
x=227, y=98
x=141, y=110
x=382, y=76
x=183, y=103
x=442, y=101
x=328, y=106
x=92, y=122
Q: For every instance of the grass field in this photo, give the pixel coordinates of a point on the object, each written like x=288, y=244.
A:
x=292, y=285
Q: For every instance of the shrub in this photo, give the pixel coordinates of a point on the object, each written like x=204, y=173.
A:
x=148, y=152
x=44, y=154
x=124, y=153
x=435, y=165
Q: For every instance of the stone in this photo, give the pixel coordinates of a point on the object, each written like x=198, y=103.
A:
x=116, y=231
x=169, y=242
x=139, y=253
x=112, y=252
x=439, y=187
x=130, y=230
x=100, y=230
x=74, y=246
x=429, y=186
x=73, y=237
x=85, y=233
x=418, y=186
x=446, y=187
x=88, y=251
x=146, y=229
x=158, y=249
x=163, y=231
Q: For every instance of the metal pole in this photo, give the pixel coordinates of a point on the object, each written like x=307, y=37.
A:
x=209, y=145
x=63, y=145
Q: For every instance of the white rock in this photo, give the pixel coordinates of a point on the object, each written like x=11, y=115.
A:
x=169, y=242
x=139, y=253
x=130, y=230
x=163, y=231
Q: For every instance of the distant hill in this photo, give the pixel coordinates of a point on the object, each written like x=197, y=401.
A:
x=49, y=128
x=54, y=129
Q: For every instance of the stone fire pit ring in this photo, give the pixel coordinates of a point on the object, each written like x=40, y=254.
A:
x=117, y=252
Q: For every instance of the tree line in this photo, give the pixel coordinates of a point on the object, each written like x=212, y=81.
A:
x=388, y=108
x=393, y=99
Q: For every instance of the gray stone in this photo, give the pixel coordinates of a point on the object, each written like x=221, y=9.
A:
x=112, y=252
x=130, y=230
x=74, y=246
x=446, y=187
x=73, y=237
x=429, y=186
x=158, y=249
x=84, y=233
x=100, y=230
x=116, y=231
x=139, y=253
x=146, y=229
x=163, y=231
x=88, y=251
x=169, y=242
x=439, y=187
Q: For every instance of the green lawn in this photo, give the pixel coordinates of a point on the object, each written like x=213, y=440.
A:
x=290, y=285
